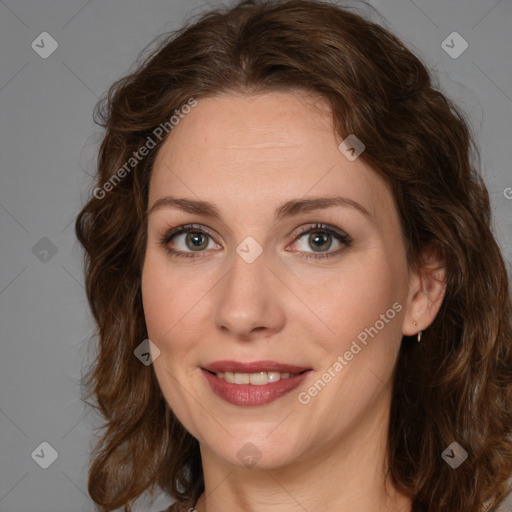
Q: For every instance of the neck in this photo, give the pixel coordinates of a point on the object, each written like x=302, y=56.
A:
x=349, y=475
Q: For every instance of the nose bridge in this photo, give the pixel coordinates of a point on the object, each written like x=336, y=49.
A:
x=246, y=301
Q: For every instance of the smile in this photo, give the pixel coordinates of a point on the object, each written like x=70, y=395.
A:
x=256, y=379
x=251, y=384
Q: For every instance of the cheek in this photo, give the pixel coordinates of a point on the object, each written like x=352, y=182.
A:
x=163, y=307
x=354, y=297
x=168, y=304
x=363, y=308
x=174, y=307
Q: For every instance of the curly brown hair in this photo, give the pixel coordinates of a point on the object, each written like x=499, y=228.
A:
x=456, y=385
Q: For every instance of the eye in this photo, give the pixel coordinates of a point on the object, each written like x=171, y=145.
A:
x=192, y=240
x=320, y=238
x=188, y=239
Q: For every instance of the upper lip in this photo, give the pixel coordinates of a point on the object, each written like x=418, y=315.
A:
x=253, y=367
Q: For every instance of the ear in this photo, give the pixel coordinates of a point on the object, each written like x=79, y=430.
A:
x=427, y=287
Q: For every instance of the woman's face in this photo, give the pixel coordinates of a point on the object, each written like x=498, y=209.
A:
x=250, y=290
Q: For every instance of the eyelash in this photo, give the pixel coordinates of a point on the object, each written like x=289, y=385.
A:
x=342, y=237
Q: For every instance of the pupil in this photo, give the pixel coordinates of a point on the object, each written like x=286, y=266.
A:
x=195, y=238
x=319, y=240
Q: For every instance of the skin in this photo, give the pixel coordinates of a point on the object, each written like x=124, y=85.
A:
x=248, y=154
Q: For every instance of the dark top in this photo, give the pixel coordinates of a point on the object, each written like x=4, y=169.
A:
x=177, y=507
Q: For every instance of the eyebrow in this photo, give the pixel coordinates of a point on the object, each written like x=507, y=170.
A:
x=287, y=209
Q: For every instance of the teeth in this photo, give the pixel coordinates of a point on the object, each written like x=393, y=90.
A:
x=229, y=376
x=273, y=376
x=242, y=378
x=256, y=379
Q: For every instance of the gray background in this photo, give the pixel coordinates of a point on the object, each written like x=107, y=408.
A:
x=48, y=143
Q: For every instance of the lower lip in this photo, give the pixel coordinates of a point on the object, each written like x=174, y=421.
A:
x=249, y=394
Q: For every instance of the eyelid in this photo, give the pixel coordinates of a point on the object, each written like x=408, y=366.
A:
x=318, y=226
x=185, y=228
x=341, y=236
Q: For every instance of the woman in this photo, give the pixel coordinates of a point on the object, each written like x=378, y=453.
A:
x=341, y=338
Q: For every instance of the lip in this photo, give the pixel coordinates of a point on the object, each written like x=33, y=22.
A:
x=253, y=367
x=248, y=394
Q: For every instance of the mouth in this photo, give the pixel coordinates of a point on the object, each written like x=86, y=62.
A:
x=256, y=379
x=255, y=383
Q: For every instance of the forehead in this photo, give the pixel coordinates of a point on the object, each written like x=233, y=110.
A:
x=264, y=125
x=255, y=150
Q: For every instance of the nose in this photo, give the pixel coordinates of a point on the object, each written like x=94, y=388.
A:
x=248, y=302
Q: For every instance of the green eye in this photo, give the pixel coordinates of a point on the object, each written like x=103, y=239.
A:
x=192, y=240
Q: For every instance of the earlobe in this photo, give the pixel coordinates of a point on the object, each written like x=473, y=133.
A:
x=427, y=291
